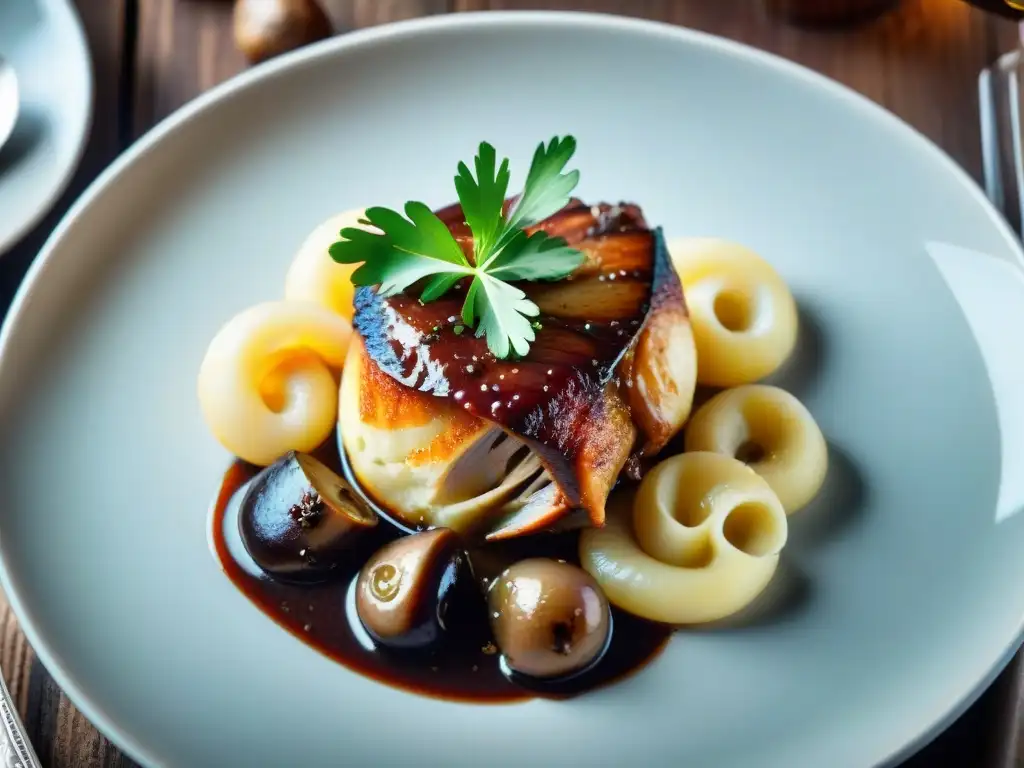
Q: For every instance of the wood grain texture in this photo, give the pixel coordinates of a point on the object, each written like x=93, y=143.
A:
x=152, y=56
x=186, y=47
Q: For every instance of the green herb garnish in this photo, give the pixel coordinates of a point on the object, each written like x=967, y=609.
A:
x=406, y=250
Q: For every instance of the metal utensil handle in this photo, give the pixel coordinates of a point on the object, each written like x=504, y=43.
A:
x=1002, y=134
x=15, y=748
x=1002, y=152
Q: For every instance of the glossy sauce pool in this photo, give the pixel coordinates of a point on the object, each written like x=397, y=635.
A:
x=468, y=668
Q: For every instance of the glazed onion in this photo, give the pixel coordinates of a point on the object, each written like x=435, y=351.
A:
x=266, y=385
x=743, y=314
x=772, y=432
x=698, y=542
x=314, y=276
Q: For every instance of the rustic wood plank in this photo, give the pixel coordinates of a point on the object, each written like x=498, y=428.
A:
x=354, y=14
x=921, y=61
x=183, y=48
x=186, y=46
x=67, y=738
x=61, y=735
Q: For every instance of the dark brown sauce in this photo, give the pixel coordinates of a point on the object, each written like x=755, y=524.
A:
x=468, y=668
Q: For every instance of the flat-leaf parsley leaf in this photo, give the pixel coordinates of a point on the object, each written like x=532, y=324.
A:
x=402, y=251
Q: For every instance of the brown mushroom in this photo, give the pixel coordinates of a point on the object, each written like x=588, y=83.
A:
x=406, y=590
x=266, y=28
x=550, y=619
x=298, y=519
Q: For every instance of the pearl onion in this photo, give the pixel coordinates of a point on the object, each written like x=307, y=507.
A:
x=772, y=431
x=266, y=384
x=744, y=317
x=314, y=276
x=698, y=543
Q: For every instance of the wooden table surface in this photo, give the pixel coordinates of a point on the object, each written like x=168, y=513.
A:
x=151, y=56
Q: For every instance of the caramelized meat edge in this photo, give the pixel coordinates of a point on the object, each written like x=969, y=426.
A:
x=609, y=376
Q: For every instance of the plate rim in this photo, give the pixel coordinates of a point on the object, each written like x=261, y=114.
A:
x=46, y=204
x=890, y=754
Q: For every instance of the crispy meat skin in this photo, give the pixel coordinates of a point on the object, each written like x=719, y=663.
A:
x=570, y=398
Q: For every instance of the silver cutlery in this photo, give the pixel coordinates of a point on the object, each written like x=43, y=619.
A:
x=15, y=748
x=8, y=100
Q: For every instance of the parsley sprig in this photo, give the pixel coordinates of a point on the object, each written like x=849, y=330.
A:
x=404, y=250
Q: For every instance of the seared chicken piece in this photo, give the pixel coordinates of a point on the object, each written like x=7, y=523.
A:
x=442, y=433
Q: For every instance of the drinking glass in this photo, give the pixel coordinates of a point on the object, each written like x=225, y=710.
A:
x=999, y=99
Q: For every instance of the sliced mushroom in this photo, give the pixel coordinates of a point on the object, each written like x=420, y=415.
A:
x=408, y=589
x=475, y=513
x=299, y=519
x=539, y=507
x=477, y=470
x=550, y=619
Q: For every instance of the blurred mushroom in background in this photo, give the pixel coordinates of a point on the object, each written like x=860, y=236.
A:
x=266, y=28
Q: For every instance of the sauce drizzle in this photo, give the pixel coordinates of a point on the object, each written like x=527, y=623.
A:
x=468, y=668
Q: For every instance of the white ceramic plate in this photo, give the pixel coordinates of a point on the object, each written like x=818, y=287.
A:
x=44, y=42
x=908, y=567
